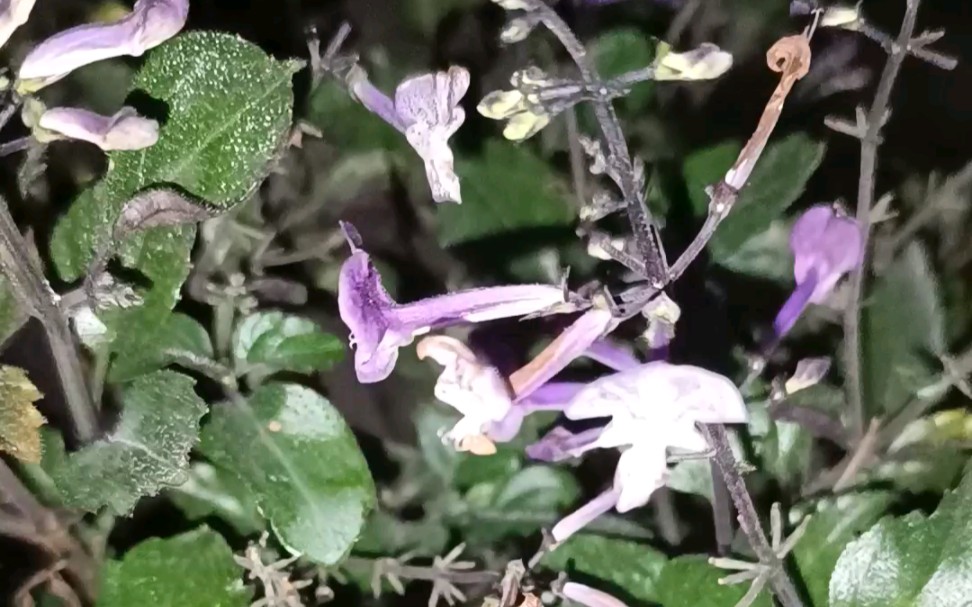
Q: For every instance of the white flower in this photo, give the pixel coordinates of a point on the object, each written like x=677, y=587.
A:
x=653, y=407
x=476, y=390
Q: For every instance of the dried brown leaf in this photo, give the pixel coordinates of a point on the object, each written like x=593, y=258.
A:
x=20, y=421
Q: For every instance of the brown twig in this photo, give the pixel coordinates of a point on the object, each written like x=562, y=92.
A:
x=779, y=581
x=869, y=128
x=30, y=286
x=645, y=231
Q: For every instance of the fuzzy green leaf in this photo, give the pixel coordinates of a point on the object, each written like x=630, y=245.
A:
x=833, y=523
x=147, y=450
x=506, y=187
x=179, y=333
x=228, y=108
x=913, y=560
x=210, y=491
x=903, y=330
x=194, y=569
x=632, y=567
x=777, y=181
x=277, y=342
x=690, y=581
x=295, y=453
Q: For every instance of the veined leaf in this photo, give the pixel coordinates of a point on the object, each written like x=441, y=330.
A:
x=227, y=110
x=295, y=454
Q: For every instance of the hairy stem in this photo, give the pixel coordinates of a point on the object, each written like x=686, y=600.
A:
x=865, y=200
x=779, y=581
x=643, y=226
x=28, y=283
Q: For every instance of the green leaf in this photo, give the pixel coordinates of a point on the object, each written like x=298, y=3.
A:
x=911, y=560
x=386, y=534
x=633, y=567
x=765, y=255
x=214, y=492
x=147, y=450
x=777, y=181
x=530, y=498
x=903, y=329
x=179, y=333
x=294, y=452
x=624, y=50
x=277, y=342
x=690, y=581
x=194, y=569
x=506, y=187
x=228, y=111
x=349, y=126
x=833, y=523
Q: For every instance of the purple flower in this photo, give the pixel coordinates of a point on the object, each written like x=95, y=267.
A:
x=426, y=109
x=577, y=339
x=379, y=326
x=652, y=408
x=150, y=23
x=13, y=14
x=826, y=245
x=590, y=597
x=126, y=130
x=560, y=444
x=612, y=355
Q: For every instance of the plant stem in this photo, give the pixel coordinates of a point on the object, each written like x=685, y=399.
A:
x=748, y=519
x=28, y=283
x=865, y=200
x=645, y=230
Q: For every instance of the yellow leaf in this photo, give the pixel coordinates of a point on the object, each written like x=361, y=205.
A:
x=20, y=421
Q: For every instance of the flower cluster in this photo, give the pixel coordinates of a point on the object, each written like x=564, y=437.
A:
x=150, y=23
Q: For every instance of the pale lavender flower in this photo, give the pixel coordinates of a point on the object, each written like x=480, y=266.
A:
x=612, y=354
x=652, y=408
x=478, y=391
x=125, y=130
x=150, y=23
x=826, y=245
x=560, y=444
x=426, y=109
x=590, y=597
x=483, y=396
x=589, y=327
x=13, y=14
x=379, y=326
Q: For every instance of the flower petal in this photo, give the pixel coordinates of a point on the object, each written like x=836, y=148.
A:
x=578, y=519
x=827, y=243
x=641, y=470
x=590, y=597
x=150, y=23
x=706, y=62
x=12, y=16
x=125, y=130
x=578, y=337
x=475, y=389
x=363, y=305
